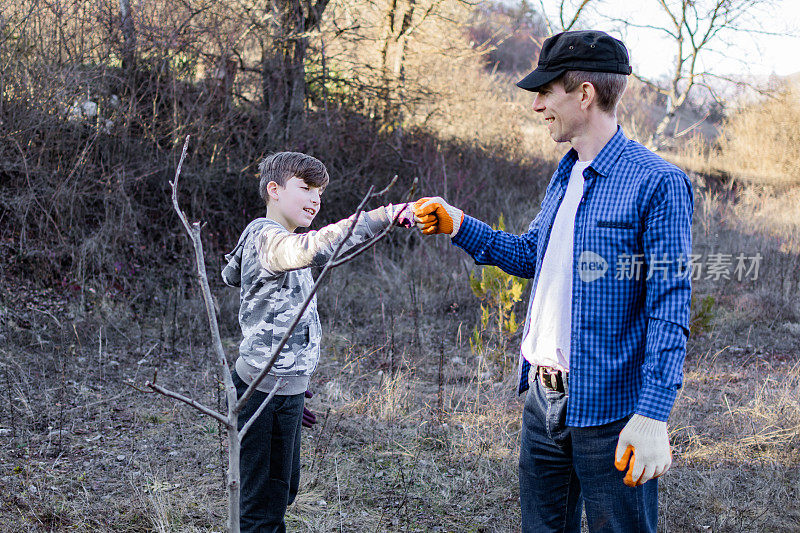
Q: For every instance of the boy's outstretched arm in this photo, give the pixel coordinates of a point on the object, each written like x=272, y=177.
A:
x=280, y=250
x=515, y=254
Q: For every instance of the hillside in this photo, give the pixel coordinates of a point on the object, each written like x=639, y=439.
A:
x=418, y=425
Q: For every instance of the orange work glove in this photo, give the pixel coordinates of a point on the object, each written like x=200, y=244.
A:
x=434, y=215
x=643, y=448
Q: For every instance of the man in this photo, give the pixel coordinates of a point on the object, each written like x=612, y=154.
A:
x=605, y=335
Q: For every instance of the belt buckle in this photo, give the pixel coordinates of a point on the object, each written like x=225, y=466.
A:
x=550, y=379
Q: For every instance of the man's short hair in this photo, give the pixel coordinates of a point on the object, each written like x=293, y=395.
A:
x=282, y=166
x=608, y=86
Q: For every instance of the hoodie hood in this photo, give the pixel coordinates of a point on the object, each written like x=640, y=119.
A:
x=232, y=273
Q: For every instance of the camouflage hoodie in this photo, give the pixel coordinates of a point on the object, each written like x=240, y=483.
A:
x=270, y=266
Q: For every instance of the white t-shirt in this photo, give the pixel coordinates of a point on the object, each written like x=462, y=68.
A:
x=547, y=342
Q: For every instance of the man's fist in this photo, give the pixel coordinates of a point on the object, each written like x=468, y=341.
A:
x=643, y=448
x=434, y=215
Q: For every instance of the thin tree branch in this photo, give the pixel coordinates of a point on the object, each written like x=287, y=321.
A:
x=651, y=84
x=762, y=32
x=575, y=17
x=174, y=185
x=751, y=86
x=693, y=126
x=202, y=278
x=671, y=15
x=197, y=405
x=546, y=18
x=374, y=240
x=629, y=24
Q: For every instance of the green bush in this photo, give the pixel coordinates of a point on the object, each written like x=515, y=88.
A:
x=702, y=314
x=498, y=293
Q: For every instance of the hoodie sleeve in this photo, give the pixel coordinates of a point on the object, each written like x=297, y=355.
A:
x=279, y=250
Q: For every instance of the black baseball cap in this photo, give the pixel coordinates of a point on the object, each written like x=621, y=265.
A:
x=590, y=50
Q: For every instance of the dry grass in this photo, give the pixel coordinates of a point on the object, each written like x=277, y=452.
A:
x=758, y=142
x=736, y=433
x=752, y=219
x=391, y=452
x=760, y=419
x=774, y=214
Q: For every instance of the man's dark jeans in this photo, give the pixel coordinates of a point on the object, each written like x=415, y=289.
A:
x=270, y=460
x=562, y=467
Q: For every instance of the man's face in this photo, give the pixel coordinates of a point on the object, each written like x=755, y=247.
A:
x=561, y=111
x=297, y=203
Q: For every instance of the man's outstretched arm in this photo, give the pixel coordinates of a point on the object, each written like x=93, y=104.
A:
x=515, y=254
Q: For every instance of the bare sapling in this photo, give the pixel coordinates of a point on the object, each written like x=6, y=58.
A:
x=230, y=419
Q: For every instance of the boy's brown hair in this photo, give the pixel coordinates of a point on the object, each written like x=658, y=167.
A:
x=282, y=166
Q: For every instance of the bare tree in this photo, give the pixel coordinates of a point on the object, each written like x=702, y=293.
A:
x=402, y=18
x=289, y=23
x=128, y=36
x=230, y=419
x=696, y=28
x=396, y=30
x=570, y=13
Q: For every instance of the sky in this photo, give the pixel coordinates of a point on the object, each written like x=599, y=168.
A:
x=741, y=54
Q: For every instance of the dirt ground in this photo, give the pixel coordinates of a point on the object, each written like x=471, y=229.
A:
x=415, y=431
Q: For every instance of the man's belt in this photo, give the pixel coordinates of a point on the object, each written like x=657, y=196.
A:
x=552, y=378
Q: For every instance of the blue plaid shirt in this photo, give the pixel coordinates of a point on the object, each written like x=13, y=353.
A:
x=631, y=290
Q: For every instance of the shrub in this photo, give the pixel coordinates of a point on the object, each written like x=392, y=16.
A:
x=498, y=292
x=702, y=314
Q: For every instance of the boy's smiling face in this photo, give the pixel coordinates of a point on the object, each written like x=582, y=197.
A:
x=294, y=204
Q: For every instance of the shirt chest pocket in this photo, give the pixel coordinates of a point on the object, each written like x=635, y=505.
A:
x=614, y=238
x=616, y=224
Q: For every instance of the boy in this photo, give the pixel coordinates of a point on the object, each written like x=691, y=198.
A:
x=271, y=264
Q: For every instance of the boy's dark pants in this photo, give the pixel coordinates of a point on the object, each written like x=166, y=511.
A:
x=270, y=459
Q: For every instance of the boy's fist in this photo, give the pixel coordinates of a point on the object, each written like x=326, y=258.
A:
x=401, y=214
x=434, y=215
x=309, y=418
